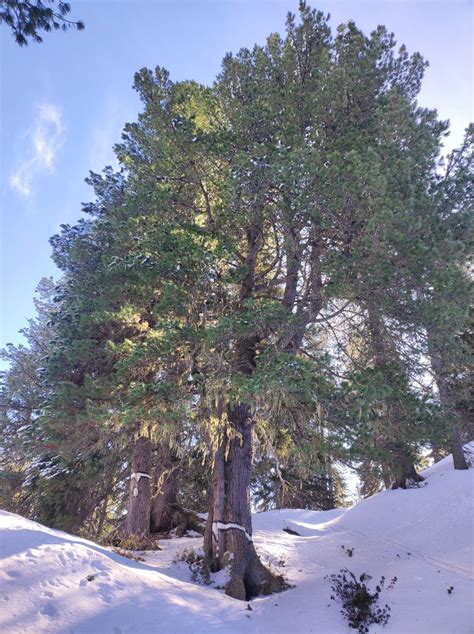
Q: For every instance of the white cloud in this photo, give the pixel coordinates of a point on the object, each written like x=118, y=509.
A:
x=45, y=139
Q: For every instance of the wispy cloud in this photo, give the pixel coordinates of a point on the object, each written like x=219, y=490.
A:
x=45, y=138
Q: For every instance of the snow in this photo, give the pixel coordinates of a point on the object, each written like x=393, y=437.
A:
x=52, y=582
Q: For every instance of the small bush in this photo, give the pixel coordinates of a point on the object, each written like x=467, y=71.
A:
x=359, y=604
x=349, y=551
x=197, y=564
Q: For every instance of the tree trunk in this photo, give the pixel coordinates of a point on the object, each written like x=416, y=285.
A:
x=459, y=459
x=408, y=474
x=138, y=517
x=445, y=396
x=437, y=452
x=228, y=536
x=102, y=516
x=165, y=514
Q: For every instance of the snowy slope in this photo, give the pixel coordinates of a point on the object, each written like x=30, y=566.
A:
x=52, y=582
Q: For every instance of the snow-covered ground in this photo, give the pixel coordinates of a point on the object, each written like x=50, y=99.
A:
x=53, y=582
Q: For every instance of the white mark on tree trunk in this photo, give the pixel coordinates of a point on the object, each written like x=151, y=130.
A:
x=221, y=526
x=139, y=475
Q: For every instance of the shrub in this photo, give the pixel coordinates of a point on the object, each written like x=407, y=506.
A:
x=197, y=564
x=349, y=551
x=359, y=604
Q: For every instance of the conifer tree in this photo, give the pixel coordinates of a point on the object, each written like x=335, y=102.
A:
x=131, y=275
x=318, y=128
x=22, y=394
x=448, y=302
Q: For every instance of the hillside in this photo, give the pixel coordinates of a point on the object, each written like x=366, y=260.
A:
x=52, y=582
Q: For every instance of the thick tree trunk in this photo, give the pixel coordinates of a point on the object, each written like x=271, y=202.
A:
x=228, y=536
x=408, y=475
x=459, y=459
x=165, y=514
x=138, y=517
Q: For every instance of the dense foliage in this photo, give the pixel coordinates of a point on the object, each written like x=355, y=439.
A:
x=277, y=269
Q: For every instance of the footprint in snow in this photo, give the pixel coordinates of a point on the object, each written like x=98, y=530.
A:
x=55, y=584
x=106, y=593
x=99, y=564
x=48, y=609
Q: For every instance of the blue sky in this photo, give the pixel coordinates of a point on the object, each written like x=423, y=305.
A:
x=64, y=102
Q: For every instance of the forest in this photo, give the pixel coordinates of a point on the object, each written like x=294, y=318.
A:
x=266, y=303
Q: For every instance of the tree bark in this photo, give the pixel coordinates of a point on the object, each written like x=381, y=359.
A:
x=165, y=514
x=228, y=536
x=459, y=459
x=408, y=474
x=138, y=517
